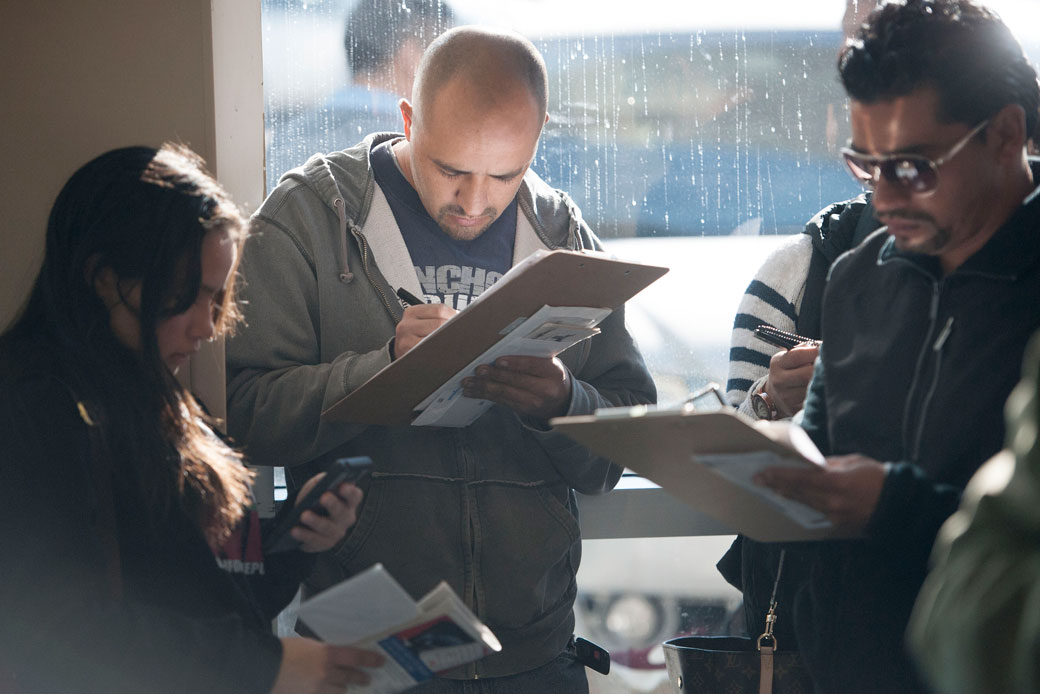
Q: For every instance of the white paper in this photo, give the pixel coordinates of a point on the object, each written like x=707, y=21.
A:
x=551, y=330
x=368, y=603
x=741, y=468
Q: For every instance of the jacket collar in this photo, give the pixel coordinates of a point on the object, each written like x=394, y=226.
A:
x=1014, y=247
x=347, y=175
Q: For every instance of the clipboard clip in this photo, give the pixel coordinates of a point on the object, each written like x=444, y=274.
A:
x=709, y=389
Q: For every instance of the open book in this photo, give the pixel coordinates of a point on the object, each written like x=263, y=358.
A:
x=419, y=639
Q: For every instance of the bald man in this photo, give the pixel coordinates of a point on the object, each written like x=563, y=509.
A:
x=443, y=210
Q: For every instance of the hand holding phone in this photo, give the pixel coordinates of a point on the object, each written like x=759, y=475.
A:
x=280, y=539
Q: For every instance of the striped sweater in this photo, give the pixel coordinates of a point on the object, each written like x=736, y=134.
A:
x=775, y=297
x=777, y=292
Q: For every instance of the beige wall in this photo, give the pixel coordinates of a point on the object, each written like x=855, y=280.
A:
x=81, y=78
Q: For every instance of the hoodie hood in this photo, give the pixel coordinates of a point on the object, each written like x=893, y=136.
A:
x=344, y=182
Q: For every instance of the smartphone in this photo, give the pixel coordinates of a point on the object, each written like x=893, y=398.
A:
x=780, y=338
x=341, y=470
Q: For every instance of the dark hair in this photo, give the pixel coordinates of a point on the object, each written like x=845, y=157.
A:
x=962, y=50
x=142, y=213
x=377, y=28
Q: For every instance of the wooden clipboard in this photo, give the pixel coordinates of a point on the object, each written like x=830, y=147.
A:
x=662, y=446
x=557, y=278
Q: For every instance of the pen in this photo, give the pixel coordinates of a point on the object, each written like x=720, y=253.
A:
x=409, y=298
x=781, y=338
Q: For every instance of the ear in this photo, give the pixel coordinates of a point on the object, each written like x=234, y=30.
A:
x=406, y=116
x=1008, y=131
x=105, y=282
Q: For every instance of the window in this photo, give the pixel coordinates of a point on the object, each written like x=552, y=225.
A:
x=695, y=135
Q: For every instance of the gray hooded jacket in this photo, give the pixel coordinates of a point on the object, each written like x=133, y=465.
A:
x=488, y=508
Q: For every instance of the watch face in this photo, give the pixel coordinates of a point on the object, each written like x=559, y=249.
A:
x=761, y=407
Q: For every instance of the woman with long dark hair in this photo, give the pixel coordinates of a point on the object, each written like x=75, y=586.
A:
x=129, y=557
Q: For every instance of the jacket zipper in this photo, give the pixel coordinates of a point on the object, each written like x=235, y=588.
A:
x=937, y=349
x=471, y=598
x=913, y=435
x=933, y=315
x=368, y=273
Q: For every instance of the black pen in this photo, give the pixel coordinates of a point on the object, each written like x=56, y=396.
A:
x=409, y=298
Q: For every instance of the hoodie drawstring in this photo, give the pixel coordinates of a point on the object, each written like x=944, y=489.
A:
x=345, y=274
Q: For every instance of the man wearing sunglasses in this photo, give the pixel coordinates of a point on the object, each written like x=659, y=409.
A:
x=924, y=326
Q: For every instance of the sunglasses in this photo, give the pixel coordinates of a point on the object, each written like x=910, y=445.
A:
x=916, y=173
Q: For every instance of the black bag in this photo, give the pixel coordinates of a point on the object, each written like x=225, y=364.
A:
x=737, y=665
x=733, y=665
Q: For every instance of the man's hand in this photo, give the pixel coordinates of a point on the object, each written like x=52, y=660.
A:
x=789, y=376
x=312, y=667
x=417, y=323
x=317, y=533
x=532, y=386
x=846, y=490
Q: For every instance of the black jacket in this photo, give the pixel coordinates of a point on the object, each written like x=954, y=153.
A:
x=179, y=623
x=914, y=370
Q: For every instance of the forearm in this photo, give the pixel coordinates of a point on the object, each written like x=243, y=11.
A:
x=276, y=412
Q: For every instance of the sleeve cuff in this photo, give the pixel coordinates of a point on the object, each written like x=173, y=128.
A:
x=889, y=517
x=745, y=407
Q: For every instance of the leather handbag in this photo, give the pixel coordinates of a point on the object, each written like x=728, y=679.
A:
x=737, y=665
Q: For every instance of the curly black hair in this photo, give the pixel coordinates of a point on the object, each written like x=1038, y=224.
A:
x=962, y=50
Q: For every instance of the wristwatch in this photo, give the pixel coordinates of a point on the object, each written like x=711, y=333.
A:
x=763, y=406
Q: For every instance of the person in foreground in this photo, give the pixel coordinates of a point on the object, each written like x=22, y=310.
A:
x=924, y=326
x=442, y=211
x=976, y=624
x=132, y=561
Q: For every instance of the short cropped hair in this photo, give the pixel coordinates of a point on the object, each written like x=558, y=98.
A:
x=377, y=28
x=484, y=56
x=960, y=49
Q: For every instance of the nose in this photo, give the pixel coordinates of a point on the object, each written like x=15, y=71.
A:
x=888, y=195
x=202, y=326
x=471, y=195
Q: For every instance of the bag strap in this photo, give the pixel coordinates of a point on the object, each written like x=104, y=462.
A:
x=766, y=650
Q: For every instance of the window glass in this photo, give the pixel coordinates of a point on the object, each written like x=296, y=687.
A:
x=695, y=135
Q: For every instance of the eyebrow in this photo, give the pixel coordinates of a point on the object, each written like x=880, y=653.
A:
x=452, y=170
x=919, y=150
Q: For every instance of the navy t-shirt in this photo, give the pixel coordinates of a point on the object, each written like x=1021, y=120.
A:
x=449, y=271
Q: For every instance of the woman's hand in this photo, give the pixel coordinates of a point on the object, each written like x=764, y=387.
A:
x=313, y=667
x=317, y=533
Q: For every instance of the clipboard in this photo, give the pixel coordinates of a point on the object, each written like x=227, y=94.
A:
x=663, y=446
x=553, y=278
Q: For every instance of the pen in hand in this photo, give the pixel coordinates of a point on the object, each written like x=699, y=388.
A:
x=781, y=338
x=409, y=298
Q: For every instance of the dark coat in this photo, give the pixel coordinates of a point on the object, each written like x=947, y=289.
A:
x=914, y=371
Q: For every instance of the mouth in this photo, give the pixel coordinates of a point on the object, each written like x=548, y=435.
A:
x=463, y=221
x=903, y=228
